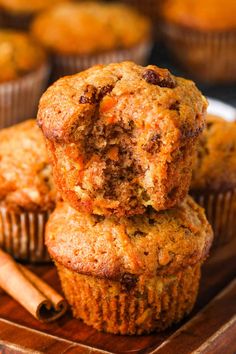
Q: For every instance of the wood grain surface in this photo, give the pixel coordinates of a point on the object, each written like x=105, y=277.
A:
x=211, y=327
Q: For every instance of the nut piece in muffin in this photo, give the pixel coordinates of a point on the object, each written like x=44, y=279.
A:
x=27, y=193
x=97, y=33
x=202, y=36
x=214, y=177
x=19, y=55
x=131, y=275
x=122, y=137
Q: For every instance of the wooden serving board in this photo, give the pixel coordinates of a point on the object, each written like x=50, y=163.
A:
x=211, y=327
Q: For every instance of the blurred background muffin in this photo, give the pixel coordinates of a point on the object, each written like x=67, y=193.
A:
x=214, y=177
x=27, y=194
x=130, y=275
x=19, y=13
x=23, y=76
x=202, y=37
x=79, y=35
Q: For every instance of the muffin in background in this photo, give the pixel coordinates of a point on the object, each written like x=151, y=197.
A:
x=122, y=137
x=202, y=36
x=27, y=194
x=214, y=177
x=23, y=76
x=79, y=35
x=130, y=275
x=19, y=13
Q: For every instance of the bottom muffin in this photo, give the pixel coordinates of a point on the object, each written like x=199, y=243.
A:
x=131, y=275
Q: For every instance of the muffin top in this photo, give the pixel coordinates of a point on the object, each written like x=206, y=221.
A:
x=19, y=55
x=84, y=28
x=150, y=97
x=213, y=15
x=152, y=243
x=25, y=174
x=215, y=165
x=27, y=6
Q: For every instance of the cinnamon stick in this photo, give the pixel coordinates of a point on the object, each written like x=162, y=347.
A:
x=42, y=301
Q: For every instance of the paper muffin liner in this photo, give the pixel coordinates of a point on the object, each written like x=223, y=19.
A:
x=207, y=56
x=22, y=235
x=71, y=64
x=152, y=305
x=19, y=98
x=220, y=210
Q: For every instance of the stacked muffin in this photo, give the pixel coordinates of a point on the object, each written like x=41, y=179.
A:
x=122, y=140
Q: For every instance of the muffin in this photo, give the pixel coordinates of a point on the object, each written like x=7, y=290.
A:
x=27, y=195
x=122, y=137
x=19, y=13
x=201, y=34
x=23, y=76
x=96, y=33
x=131, y=275
x=214, y=177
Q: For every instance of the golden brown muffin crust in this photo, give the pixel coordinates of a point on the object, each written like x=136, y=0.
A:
x=209, y=15
x=19, y=55
x=215, y=165
x=122, y=137
x=152, y=243
x=91, y=28
x=25, y=174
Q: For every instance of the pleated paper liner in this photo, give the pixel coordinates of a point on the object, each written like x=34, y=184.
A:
x=220, y=210
x=22, y=235
x=19, y=98
x=207, y=56
x=72, y=64
x=152, y=305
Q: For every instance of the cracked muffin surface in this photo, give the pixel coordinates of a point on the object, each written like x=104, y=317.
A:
x=215, y=164
x=19, y=55
x=122, y=137
x=25, y=173
x=92, y=28
x=155, y=243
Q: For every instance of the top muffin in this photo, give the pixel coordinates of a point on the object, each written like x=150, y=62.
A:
x=25, y=174
x=26, y=6
x=215, y=166
x=213, y=15
x=19, y=55
x=122, y=137
x=86, y=28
